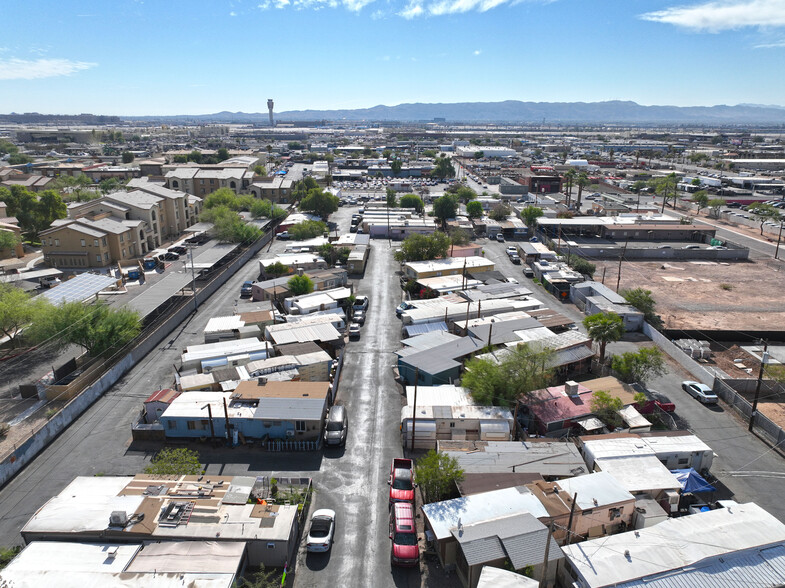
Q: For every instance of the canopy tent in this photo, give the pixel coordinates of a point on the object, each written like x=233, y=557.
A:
x=692, y=481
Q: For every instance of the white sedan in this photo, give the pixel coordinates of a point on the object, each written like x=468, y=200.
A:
x=320, y=534
x=701, y=392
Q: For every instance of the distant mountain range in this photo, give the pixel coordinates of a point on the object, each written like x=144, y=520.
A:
x=510, y=111
x=515, y=111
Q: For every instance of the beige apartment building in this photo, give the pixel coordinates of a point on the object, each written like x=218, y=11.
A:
x=94, y=241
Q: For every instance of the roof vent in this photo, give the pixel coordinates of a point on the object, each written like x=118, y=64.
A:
x=111, y=553
x=118, y=518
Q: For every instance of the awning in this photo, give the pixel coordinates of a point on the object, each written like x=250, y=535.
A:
x=692, y=481
x=590, y=424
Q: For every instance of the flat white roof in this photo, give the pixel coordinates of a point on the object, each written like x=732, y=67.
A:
x=599, y=486
x=457, y=413
x=447, y=395
x=448, y=263
x=673, y=544
x=639, y=473
x=475, y=508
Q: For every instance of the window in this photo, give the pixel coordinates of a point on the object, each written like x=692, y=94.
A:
x=212, y=181
x=270, y=545
x=683, y=461
x=103, y=240
x=614, y=513
x=191, y=425
x=452, y=425
x=276, y=423
x=123, y=251
x=299, y=426
x=171, y=424
x=121, y=238
x=175, y=184
x=106, y=257
x=83, y=242
x=98, y=257
x=57, y=243
x=201, y=182
x=95, y=242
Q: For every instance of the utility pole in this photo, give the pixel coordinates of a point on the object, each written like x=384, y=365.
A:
x=414, y=408
x=544, y=579
x=226, y=416
x=210, y=416
x=603, y=275
x=777, y=250
x=569, y=522
x=193, y=279
x=764, y=359
x=621, y=258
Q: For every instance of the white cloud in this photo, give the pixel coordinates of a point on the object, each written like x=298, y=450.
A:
x=417, y=8
x=232, y=13
x=477, y=51
x=412, y=10
x=723, y=15
x=774, y=45
x=24, y=69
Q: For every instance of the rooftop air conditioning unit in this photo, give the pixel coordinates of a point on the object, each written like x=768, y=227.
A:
x=118, y=518
x=111, y=553
x=571, y=388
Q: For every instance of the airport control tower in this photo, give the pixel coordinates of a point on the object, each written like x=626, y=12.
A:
x=270, y=110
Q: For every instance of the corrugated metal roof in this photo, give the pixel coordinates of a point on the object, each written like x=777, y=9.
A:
x=414, y=330
x=306, y=409
x=301, y=334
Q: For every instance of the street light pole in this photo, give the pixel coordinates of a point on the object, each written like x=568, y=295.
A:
x=779, y=237
x=193, y=279
x=764, y=359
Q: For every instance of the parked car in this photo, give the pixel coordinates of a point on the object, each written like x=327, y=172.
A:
x=354, y=331
x=401, y=480
x=335, y=426
x=169, y=256
x=321, y=531
x=734, y=205
x=500, y=237
x=528, y=272
x=515, y=258
x=511, y=249
x=360, y=303
x=178, y=249
x=700, y=392
x=49, y=281
x=403, y=307
x=283, y=235
x=404, y=548
x=359, y=317
x=246, y=289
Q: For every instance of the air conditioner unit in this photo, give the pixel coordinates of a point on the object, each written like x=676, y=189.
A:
x=571, y=388
x=118, y=518
x=290, y=433
x=111, y=553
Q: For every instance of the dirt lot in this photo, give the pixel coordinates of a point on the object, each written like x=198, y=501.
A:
x=744, y=296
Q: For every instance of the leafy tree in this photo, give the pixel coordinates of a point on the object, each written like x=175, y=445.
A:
x=222, y=154
x=307, y=230
x=412, y=201
x=50, y=207
x=643, y=301
x=18, y=159
x=582, y=266
x=462, y=194
x=259, y=170
x=18, y=310
x=392, y=198
x=474, y=209
x=606, y=408
x=7, y=554
x=429, y=153
x=763, y=212
x=478, y=154
x=500, y=212
x=320, y=203
x=127, y=157
x=639, y=366
x=262, y=578
x=180, y=159
x=229, y=226
x=6, y=147
x=277, y=269
x=445, y=208
x=604, y=328
x=178, y=461
x=8, y=240
x=387, y=153
x=460, y=236
x=443, y=168
x=222, y=197
x=437, y=473
x=423, y=247
x=715, y=206
x=196, y=156
x=700, y=199
x=666, y=187
x=396, y=166
x=530, y=214
x=525, y=368
x=111, y=185
x=300, y=285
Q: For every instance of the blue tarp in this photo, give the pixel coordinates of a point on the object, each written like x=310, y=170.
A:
x=692, y=481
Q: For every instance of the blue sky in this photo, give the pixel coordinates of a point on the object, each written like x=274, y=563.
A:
x=135, y=57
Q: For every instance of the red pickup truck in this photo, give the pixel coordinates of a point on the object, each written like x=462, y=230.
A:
x=404, y=549
x=651, y=406
x=401, y=480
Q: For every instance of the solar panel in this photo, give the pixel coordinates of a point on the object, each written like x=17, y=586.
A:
x=160, y=292
x=78, y=289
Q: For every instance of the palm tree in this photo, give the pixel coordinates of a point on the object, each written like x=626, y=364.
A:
x=582, y=181
x=569, y=177
x=604, y=328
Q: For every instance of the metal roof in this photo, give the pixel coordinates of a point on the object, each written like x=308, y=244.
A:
x=297, y=333
x=306, y=409
x=78, y=289
x=546, y=458
x=413, y=330
x=597, y=489
x=443, y=357
x=207, y=259
x=151, y=298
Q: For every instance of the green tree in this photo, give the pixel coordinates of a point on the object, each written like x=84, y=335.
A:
x=300, y=285
x=178, y=461
x=222, y=154
x=319, y=203
x=443, y=168
x=392, y=198
x=500, y=212
x=582, y=266
x=18, y=310
x=666, y=187
x=50, y=208
x=228, y=226
x=478, y=154
x=524, y=368
x=222, y=197
x=412, y=201
x=7, y=554
x=607, y=408
x=127, y=157
x=460, y=236
x=6, y=147
x=276, y=270
x=307, y=230
x=396, y=166
x=581, y=181
x=195, y=156
x=530, y=214
x=18, y=159
x=715, y=206
x=423, y=247
x=474, y=209
x=763, y=212
x=180, y=159
x=569, y=180
x=643, y=301
x=445, y=208
x=700, y=199
x=111, y=185
x=387, y=153
x=436, y=474
x=639, y=366
x=8, y=240
x=604, y=328
x=259, y=170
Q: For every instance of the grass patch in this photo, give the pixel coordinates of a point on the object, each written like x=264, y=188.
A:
x=726, y=287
